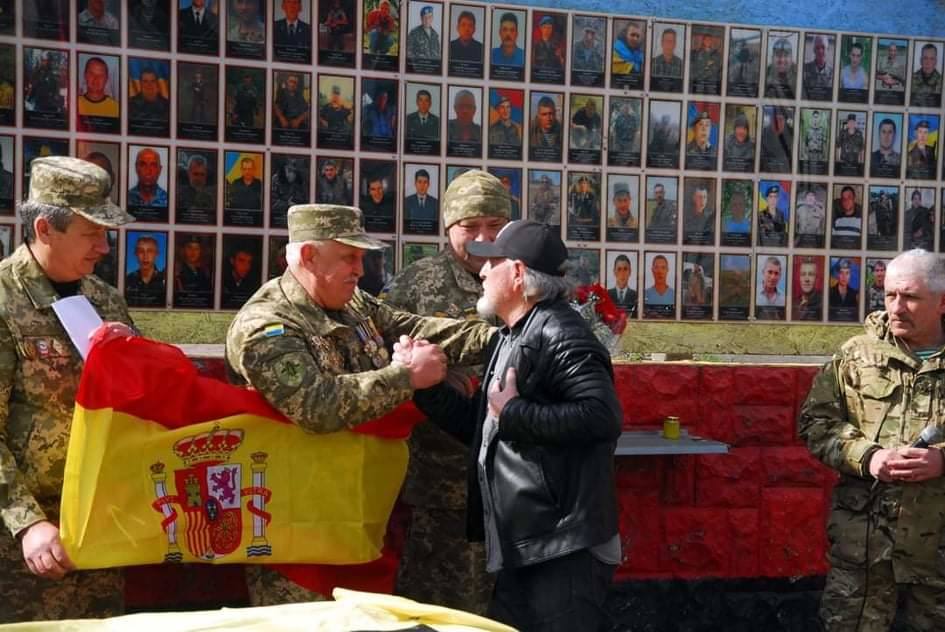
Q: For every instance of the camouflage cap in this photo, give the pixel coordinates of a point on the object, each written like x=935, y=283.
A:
x=78, y=185
x=319, y=222
x=475, y=194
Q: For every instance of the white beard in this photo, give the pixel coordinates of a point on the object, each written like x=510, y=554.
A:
x=485, y=307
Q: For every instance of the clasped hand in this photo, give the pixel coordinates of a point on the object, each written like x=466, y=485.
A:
x=907, y=465
x=424, y=360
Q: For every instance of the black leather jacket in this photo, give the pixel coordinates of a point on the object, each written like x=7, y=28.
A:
x=551, y=470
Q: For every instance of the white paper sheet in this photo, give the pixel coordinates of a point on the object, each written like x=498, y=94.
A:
x=79, y=319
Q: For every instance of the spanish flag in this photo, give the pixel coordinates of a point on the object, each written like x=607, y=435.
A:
x=166, y=466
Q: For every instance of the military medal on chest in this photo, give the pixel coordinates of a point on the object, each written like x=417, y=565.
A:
x=372, y=342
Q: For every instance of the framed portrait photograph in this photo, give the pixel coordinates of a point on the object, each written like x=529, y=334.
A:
x=882, y=222
x=243, y=200
x=926, y=90
x=467, y=30
x=781, y=69
x=454, y=171
x=380, y=38
x=807, y=294
x=8, y=85
x=734, y=286
x=511, y=179
x=622, y=285
x=509, y=31
x=149, y=24
x=149, y=92
x=843, y=300
x=147, y=197
x=774, y=212
x=98, y=105
x=292, y=31
x=37, y=147
x=292, y=108
x=246, y=29
x=104, y=154
x=744, y=63
x=197, y=96
x=589, y=42
x=850, y=145
x=584, y=206
x=875, y=293
x=413, y=251
x=586, y=129
x=241, y=270
x=334, y=180
x=813, y=149
x=8, y=18
x=197, y=186
x=698, y=285
x=585, y=266
x=662, y=210
x=337, y=32
x=702, y=136
x=549, y=46
x=810, y=215
x=45, y=88
x=424, y=37
x=817, y=75
x=892, y=74
x=922, y=146
x=777, y=139
x=146, y=268
x=544, y=196
x=335, y=112
x=49, y=20
x=624, y=131
x=99, y=22
x=659, y=280
x=662, y=150
x=741, y=129
x=628, y=54
x=506, y=123
x=666, y=63
x=737, y=212
x=198, y=26
x=918, y=220
x=245, y=105
x=770, y=286
x=289, y=184
x=276, y=264
x=422, y=123
x=623, y=208
x=379, y=116
x=699, y=216
x=194, y=259
x=886, y=157
x=846, y=229
x=464, y=122
x=421, y=199
x=7, y=179
x=545, y=129
x=856, y=64
x=377, y=192
x=705, y=59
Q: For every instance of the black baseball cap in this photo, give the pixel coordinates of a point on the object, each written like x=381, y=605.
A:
x=538, y=246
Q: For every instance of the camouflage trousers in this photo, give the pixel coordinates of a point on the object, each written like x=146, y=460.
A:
x=79, y=595
x=439, y=566
x=268, y=587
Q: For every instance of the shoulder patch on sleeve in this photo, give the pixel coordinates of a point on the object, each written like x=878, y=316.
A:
x=272, y=331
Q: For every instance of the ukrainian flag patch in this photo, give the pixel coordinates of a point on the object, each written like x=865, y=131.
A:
x=271, y=331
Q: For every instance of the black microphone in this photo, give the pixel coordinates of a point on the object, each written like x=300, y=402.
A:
x=929, y=436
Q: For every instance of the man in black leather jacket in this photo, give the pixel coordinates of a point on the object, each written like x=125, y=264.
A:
x=542, y=432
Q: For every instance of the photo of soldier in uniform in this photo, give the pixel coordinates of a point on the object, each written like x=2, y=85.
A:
x=149, y=91
x=378, y=269
x=585, y=266
x=850, y=152
x=882, y=224
x=621, y=267
x=47, y=19
x=291, y=108
x=422, y=123
x=197, y=184
x=545, y=135
x=198, y=27
x=7, y=179
x=337, y=32
x=149, y=24
x=586, y=134
x=464, y=122
x=197, y=96
x=246, y=29
x=705, y=59
x=507, y=58
x=922, y=146
x=892, y=58
x=770, y=286
x=662, y=212
x=698, y=286
x=39, y=147
x=817, y=73
x=8, y=85
x=843, y=305
x=511, y=179
x=699, y=216
x=335, y=112
x=918, y=220
x=424, y=37
x=466, y=52
x=807, y=296
x=98, y=105
x=738, y=150
x=377, y=194
x=734, y=286
x=813, y=149
x=6, y=241
x=245, y=105
x=334, y=181
x=774, y=202
x=104, y=154
x=194, y=258
x=415, y=251
x=584, y=206
x=777, y=139
x=544, y=196
x=549, y=46
x=292, y=31
x=241, y=273
x=45, y=88
x=744, y=62
x=628, y=54
x=379, y=115
x=625, y=132
x=146, y=198
x=659, y=281
x=288, y=186
x=506, y=123
x=810, y=215
x=666, y=62
x=846, y=229
x=702, y=136
x=589, y=39
x=886, y=157
x=662, y=150
x=781, y=71
x=99, y=22
x=243, y=199
x=277, y=264
x=380, y=39
x=737, y=212
x=926, y=90
x=146, y=268
x=856, y=63
x=875, y=294
x=421, y=199
x=623, y=208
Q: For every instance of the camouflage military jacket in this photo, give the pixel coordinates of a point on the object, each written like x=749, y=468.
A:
x=327, y=371
x=436, y=286
x=876, y=394
x=39, y=374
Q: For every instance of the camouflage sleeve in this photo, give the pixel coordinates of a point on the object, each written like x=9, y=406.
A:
x=824, y=423
x=18, y=508
x=284, y=371
x=399, y=294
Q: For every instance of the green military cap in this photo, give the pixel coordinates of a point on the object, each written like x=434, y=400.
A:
x=475, y=194
x=78, y=185
x=321, y=222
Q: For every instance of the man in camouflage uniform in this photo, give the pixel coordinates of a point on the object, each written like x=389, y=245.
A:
x=864, y=410
x=439, y=565
x=65, y=222
x=850, y=142
x=318, y=349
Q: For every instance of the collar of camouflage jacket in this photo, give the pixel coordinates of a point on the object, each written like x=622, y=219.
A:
x=32, y=278
x=877, y=326
x=464, y=278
